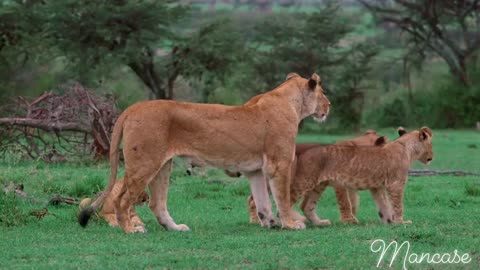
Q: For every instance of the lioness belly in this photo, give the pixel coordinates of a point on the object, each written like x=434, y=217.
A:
x=225, y=164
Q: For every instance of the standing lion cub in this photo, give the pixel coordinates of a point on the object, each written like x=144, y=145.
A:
x=382, y=170
x=347, y=199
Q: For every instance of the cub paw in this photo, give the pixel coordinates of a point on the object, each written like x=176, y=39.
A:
x=180, y=227
x=140, y=229
x=297, y=216
x=321, y=222
x=350, y=220
x=295, y=225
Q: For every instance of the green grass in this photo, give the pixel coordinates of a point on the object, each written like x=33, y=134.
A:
x=445, y=211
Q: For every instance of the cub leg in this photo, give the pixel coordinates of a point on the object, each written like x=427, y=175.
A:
x=395, y=193
x=309, y=205
x=252, y=210
x=124, y=202
x=383, y=206
x=354, y=200
x=136, y=220
x=158, y=201
x=344, y=204
x=261, y=200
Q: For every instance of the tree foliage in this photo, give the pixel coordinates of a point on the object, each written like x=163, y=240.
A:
x=317, y=42
x=449, y=29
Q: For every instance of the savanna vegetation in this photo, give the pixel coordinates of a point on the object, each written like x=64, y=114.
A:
x=444, y=211
x=383, y=64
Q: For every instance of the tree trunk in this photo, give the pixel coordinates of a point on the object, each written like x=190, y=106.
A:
x=145, y=70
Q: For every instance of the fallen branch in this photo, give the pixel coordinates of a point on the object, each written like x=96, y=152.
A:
x=434, y=172
x=45, y=125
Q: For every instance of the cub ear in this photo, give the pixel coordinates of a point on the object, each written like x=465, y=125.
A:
x=381, y=141
x=313, y=81
x=425, y=132
x=291, y=75
x=370, y=131
x=401, y=131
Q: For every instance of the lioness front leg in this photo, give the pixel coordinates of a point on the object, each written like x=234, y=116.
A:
x=383, y=205
x=158, y=201
x=279, y=180
x=309, y=205
x=395, y=193
x=262, y=203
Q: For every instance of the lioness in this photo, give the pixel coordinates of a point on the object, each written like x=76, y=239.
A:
x=347, y=199
x=255, y=139
x=382, y=170
x=108, y=210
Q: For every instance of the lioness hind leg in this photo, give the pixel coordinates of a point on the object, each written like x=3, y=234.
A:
x=158, y=201
x=309, y=205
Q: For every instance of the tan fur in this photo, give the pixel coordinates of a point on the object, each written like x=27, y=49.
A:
x=383, y=170
x=108, y=209
x=256, y=139
x=347, y=198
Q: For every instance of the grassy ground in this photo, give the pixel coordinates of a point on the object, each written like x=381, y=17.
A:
x=445, y=212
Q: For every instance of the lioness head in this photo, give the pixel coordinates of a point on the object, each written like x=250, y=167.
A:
x=315, y=102
x=423, y=143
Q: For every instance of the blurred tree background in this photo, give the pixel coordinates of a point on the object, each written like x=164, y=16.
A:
x=384, y=63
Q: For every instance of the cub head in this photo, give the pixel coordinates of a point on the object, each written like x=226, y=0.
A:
x=426, y=148
x=315, y=102
x=422, y=146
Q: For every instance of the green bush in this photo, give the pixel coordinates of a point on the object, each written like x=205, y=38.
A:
x=12, y=212
x=86, y=187
x=448, y=104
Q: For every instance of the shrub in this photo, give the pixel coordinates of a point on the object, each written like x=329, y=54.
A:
x=12, y=212
x=87, y=187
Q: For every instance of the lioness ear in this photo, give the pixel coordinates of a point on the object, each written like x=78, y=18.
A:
x=291, y=75
x=401, y=131
x=381, y=141
x=425, y=132
x=314, y=80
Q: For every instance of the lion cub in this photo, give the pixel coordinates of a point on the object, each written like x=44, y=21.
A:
x=347, y=198
x=108, y=209
x=382, y=170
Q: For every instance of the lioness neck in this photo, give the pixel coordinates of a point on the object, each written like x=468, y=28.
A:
x=291, y=92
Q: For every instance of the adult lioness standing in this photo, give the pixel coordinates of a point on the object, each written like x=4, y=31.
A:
x=256, y=139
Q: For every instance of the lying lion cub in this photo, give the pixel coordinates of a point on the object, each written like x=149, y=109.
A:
x=382, y=170
x=108, y=210
x=347, y=198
